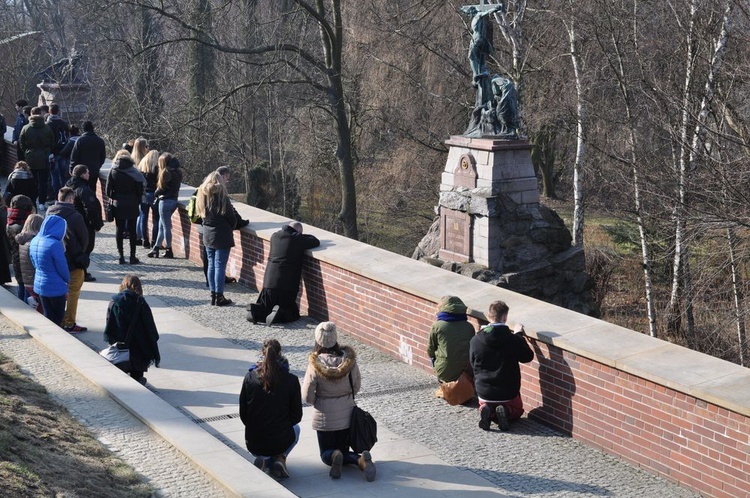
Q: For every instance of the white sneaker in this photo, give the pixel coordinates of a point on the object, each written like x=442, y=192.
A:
x=31, y=301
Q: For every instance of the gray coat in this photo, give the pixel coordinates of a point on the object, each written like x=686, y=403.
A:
x=326, y=387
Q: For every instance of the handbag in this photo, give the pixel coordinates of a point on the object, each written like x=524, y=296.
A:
x=459, y=391
x=119, y=353
x=363, y=429
x=110, y=212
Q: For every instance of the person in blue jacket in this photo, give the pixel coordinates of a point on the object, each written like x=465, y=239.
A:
x=47, y=254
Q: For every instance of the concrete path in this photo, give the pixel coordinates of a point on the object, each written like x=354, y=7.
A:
x=426, y=447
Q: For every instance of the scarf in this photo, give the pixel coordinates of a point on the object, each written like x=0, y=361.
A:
x=17, y=216
x=444, y=316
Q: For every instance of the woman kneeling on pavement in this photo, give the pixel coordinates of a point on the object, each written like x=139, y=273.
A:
x=271, y=409
x=331, y=380
x=126, y=306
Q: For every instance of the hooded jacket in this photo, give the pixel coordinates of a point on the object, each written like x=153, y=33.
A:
x=28, y=271
x=125, y=187
x=142, y=341
x=495, y=353
x=36, y=141
x=47, y=254
x=270, y=417
x=86, y=203
x=326, y=387
x=76, y=234
x=20, y=182
x=448, y=344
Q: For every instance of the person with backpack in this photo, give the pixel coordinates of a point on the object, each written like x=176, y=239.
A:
x=61, y=131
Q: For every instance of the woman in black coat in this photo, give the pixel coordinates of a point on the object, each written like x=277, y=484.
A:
x=20, y=182
x=271, y=410
x=126, y=306
x=125, y=189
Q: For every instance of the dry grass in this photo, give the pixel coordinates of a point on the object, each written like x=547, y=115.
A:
x=45, y=452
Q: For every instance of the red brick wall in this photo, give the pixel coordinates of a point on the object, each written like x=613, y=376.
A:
x=662, y=430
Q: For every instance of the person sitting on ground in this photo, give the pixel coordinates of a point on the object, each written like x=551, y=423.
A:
x=20, y=182
x=331, y=381
x=277, y=302
x=125, y=189
x=126, y=306
x=448, y=344
x=495, y=353
x=20, y=209
x=76, y=241
x=52, y=276
x=271, y=410
x=30, y=230
x=87, y=204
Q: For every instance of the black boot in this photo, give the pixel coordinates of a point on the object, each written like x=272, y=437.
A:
x=154, y=253
x=122, y=259
x=222, y=301
x=168, y=253
x=213, y=298
x=146, y=244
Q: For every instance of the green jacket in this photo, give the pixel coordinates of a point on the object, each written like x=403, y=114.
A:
x=448, y=345
x=36, y=141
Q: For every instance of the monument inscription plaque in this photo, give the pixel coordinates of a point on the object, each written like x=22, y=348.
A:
x=455, y=235
x=465, y=174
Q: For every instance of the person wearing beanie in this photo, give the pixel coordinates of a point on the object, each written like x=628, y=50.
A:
x=448, y=345
x=331, y=381
x=271, y=410
x=277, y=302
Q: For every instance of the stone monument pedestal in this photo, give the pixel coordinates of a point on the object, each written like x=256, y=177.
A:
x=491, y=225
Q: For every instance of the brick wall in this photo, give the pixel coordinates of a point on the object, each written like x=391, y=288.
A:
x=697, y=442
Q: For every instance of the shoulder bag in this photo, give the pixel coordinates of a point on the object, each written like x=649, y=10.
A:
x=119, y=353
x=363, y=429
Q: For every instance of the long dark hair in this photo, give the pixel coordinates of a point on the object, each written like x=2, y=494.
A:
x=270, y=369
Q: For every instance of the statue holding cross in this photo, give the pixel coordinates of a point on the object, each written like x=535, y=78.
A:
x=495, y=112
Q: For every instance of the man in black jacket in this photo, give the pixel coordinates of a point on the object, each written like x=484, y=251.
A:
x=88, y=205
x=495, y=353
x=76, y=241
x=61, y=131
x=277, y=302
x=91, y=151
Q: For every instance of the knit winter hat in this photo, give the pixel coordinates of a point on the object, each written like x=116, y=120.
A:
x=325, y=334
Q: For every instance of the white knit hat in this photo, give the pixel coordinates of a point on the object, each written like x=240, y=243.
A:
x=325, y=334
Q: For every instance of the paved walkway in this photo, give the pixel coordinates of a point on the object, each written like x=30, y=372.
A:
x=426, y=447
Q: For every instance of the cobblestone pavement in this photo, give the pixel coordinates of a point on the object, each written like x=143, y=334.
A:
x=531, y=459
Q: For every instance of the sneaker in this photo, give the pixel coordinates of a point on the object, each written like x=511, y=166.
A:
x=365, y=465
x=272, y=315
x=337, y=461
x=75, y=329
x=484, y=417
x=501, y=416
x=89, y=277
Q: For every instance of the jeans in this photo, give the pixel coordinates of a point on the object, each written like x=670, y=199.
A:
x=330, y=441
x=217, y=265
x=59, y=174
x=142, y=227
x=166, y=208
x=74, y=292
x=54, y=308
x=288, y=450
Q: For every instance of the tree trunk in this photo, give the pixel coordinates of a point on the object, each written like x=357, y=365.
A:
x=578, y=167
x=738, y=295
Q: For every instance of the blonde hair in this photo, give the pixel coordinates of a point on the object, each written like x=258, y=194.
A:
x=164, y=176
x=133, y=283
x=33, y=224
x=212, y=195
x=150, y=162
x=22, y=165
x=120, y=154
x=140, y=148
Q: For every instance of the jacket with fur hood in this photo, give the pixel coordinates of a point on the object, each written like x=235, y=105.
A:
x=326, y=387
